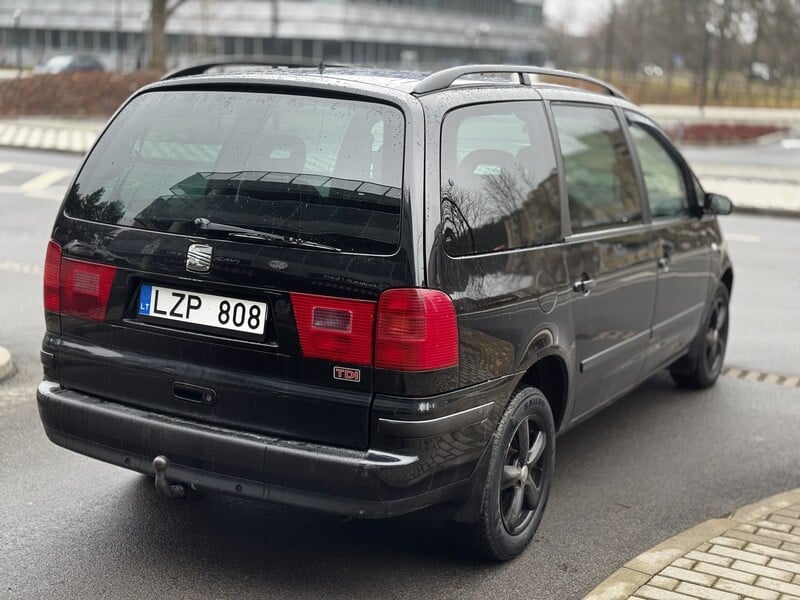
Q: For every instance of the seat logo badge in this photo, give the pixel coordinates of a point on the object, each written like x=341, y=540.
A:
x=344, y=374
x=198, y=258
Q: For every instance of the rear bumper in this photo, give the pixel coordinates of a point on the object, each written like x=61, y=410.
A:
x=369, y=483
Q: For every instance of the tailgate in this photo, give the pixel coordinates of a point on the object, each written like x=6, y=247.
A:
x=238, y=242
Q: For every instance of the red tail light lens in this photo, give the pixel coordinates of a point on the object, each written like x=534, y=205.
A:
x=85, y=288
x=334, y=328
x=416, y=330
x=52, y=276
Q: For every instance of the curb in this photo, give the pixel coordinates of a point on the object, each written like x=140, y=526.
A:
x=761, y=140
x=766, y=212
x=6, y=364
x=42, y=149
x=73, y=136
x=638, y=571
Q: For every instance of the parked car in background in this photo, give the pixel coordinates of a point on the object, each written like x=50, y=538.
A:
x=68, y=63
x=369, y=292
x=653, y=70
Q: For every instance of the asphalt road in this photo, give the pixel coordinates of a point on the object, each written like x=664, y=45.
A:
x=657, y=462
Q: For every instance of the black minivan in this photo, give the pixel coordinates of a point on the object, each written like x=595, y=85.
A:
x=369, y=292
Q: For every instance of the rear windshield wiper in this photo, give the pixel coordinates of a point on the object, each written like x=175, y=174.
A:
x=262, y=236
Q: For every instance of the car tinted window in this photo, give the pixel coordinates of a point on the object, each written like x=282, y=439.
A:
x=663, y=178
x=322, y=169
x=499, y=179
x=600, y=178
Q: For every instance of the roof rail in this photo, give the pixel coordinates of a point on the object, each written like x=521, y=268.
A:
x=273, y=62
x=441, y=80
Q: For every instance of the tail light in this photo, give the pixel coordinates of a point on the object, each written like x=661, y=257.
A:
x=414, y=329
x=75, y=287
x=52, y=275
x=334, y=328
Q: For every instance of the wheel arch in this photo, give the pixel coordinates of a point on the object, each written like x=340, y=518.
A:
x=550, y=375
x=727, y=279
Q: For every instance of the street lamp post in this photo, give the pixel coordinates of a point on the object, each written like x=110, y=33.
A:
x=142, y=56
x=117, y=34
x=18, y=41
x=710, y=34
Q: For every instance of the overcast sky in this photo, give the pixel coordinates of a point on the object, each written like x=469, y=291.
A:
x=576, y=15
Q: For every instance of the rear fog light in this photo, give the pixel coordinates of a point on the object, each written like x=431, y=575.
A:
x=335, y=329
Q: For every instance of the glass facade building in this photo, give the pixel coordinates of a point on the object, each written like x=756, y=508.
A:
x=398, y=33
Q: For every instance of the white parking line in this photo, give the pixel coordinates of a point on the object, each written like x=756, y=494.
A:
x=44, y=181
x=14, y=190
x=743, y=237
x=790, y=144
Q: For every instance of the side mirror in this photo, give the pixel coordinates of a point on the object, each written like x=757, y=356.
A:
x=717, y=204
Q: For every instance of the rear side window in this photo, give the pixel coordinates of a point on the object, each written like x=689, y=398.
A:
x=499, y=179
x=600, y=178
x=322, y=169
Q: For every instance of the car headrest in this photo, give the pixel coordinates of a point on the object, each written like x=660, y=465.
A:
x=283, y=152
x=481, y=163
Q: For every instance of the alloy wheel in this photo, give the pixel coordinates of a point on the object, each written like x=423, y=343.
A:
x=523, y=476
x=716, y=336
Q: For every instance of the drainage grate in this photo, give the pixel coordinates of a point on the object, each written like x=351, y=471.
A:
x=774, y=378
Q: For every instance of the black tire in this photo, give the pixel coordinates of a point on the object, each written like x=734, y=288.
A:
x=516, y=490
x=701, y=367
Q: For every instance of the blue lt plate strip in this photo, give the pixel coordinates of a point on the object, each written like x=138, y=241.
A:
x=144, y=299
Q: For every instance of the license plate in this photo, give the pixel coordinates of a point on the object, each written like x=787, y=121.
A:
x=202, y=311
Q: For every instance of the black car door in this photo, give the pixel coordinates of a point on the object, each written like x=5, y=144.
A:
x=684, y=241
x=611, y=255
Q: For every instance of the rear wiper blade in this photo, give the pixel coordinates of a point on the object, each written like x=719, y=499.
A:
x=263, y=236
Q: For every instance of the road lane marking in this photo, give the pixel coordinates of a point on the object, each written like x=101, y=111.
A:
x=12, y=190
x=747, y=238
x=13, y=266
x=11, y=397
x=46, y=195
x=45, y=180
x=762, y=377
x=790, y=144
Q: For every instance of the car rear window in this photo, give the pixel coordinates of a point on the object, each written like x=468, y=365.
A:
x=326, y=170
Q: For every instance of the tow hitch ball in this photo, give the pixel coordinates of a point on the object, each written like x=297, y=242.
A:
x=164, y=487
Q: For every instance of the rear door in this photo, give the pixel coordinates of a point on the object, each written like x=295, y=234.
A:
x=246, y=237
x=684, y=261
x=611, y=255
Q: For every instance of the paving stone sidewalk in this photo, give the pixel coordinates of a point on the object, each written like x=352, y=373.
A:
x=755, y=555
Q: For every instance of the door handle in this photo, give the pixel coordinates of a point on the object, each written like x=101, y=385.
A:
x=194, y=393
x=668, y=249
x=584, y=285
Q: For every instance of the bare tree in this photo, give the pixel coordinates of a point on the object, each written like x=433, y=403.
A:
x=715, y=42
x=160, y=12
